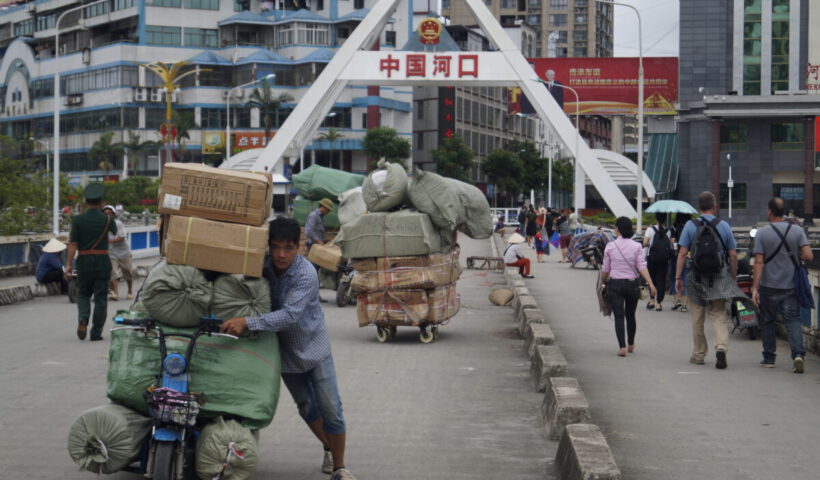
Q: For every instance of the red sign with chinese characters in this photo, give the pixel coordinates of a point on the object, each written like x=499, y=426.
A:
x=430, y=66
x=248, y=140
x=609, y=86
x=446, y=112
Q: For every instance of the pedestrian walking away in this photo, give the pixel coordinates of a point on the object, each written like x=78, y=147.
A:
x=514, y=256
x=659, y=254
x=89, y=241
x=565, y=235
x=681, y=299
x=623, y=263
x=773, y=287
x=712, y=279
x=307, y=362
x=120, y=253
x=531, y=226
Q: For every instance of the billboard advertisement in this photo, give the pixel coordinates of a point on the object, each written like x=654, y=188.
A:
x=609, y=86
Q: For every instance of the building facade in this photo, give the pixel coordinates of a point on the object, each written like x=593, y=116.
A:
x=104, y=86
x=744, y=104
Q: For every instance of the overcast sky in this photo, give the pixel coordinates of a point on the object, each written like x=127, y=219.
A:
x=660, y=22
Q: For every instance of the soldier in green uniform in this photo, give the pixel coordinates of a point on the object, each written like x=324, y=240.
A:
x=89, y=239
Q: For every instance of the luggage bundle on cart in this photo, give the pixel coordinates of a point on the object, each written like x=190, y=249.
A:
x=213, y=238
x=404, y=249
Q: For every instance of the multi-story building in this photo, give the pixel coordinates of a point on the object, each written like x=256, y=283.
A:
x=744, y=103
x=104, y=86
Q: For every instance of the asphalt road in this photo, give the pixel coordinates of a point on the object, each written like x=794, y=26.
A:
x=462, y=407
x=667, y=419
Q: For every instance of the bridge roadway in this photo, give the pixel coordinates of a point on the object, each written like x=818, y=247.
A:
x=462, y=407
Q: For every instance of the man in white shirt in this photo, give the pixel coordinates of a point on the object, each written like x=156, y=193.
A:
x=120, y=253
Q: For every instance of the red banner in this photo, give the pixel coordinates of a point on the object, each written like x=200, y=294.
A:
x=248, y=140
x=609, y=86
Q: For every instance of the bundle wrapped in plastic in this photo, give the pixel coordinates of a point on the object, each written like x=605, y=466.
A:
x=434, y=195
x=176, y=295
x=393, y=234
x=385, y=188
x=239, y=296
x=393, y=308
x=351, y=205
x=107, y=438
x=428, y=271
x=316, y=182
x=226, y=450
x=474, y=218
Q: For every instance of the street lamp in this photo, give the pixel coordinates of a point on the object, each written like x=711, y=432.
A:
x=730, y=183
x=269, y=76
x=578, y=172
x=640, y=110
x=55, y=221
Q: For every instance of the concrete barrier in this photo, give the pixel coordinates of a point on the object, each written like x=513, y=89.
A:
x=564, y=404
x=548, y=362
x=15, y=294
x=583, y=454
x=527, y=317
x=537, y=334
x=522, y=303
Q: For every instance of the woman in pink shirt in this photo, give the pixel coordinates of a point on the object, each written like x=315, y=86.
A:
x=623, y=264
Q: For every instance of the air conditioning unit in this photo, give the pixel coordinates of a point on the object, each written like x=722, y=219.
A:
x=141, y=94
x=156, y=95
x=73, y=100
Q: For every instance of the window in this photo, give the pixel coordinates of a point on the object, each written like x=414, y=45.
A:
x=534, y=19
x=579, y=52
x=241, y=5
x=213, y=118
x=780, y=45
x=733, y=137
x=158, y=35
x=320, y=4
x=445, y=4
x=420, y=110
x=561, y=52
x=580, y=19
x=738, y=196
x=579, y=35
x=420, y=140
x=358, y=4
x=95, y=10
x=562, y=36
x=202, y=4
x=200, y=37
x=284, y=34
x=788, y=136
x=26, y=27
x=558, y=20
x=751, y=47
x=558, y=4
x=312, y=34
x=390, y=38
x=44, y=22
x=122, y=4
x=167, y=3
x=509, y=3
x=534, y=4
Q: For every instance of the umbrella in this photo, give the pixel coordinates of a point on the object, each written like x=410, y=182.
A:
x=585, y=240
x=671, y=206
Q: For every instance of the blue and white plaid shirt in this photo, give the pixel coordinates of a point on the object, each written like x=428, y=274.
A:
x=296, y=315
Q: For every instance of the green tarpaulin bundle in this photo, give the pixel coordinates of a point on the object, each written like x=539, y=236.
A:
x=239, y=296
x=176, y=295
x=351, y=205
x=432, y=194
x=302, y=208
x=226, y=450
x=385, y=188
x=474, y=217
x=107, y=438
x=316, y=182
x=402, y=233
x=239, y=378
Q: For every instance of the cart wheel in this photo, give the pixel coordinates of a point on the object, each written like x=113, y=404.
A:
x=425, y=336
x=393, y=332
x=434, y=331
x=382, y=334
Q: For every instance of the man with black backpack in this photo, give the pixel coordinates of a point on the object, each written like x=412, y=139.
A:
x=711, y=279
x=774, y=286
x=657, y=259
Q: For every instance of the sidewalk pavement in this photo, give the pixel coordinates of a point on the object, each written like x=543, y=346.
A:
x=666, y=418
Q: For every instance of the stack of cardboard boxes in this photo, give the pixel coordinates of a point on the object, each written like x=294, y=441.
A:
x=214, y=219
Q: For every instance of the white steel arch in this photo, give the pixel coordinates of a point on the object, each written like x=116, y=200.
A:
x=354, y=65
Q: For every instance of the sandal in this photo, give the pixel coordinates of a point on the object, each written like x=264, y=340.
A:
x=622, y=352
x=631, y=348
x=683, y=308
x=650, y=306
x=658, y=308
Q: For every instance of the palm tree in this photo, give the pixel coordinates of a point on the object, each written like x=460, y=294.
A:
x=184, y=123
x=267, y=102
x=103, y=150
x=331, y=135
x=138, y=148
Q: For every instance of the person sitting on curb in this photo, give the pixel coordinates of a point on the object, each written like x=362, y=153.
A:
x=514, y=257
x=50, y=265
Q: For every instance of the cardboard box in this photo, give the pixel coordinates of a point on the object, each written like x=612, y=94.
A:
x=386, y=263
x=406, y=278
x=444, y=302
x=326, y=256
x=220, y=246
x=195, y=190
x=394, y=308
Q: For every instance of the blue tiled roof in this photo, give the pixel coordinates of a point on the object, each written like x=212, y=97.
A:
x=208, y=57
x=264, y=56
x=301, y=15
x=320, y=55
x=354, y=15
x=246, y=17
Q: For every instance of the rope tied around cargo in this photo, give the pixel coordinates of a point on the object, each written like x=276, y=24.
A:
x=245, y=259
x=187, y=237
x=232, y=452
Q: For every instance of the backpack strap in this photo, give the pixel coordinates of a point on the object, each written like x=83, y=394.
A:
x=714, y=223
x=786, y=244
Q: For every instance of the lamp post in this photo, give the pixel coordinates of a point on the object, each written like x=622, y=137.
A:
x=730, y=183
x=640, y=111
x=270, y=76
x=55, y=221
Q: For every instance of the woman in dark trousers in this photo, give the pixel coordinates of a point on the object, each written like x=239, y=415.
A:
x=624, y=262
x=658, y=259
x=531, y=226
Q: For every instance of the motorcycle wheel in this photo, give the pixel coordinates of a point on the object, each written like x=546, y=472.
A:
x=341, y=293
x=164, y=461
x=72, y=291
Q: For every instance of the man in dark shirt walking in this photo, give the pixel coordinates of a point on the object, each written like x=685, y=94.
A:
x=89, y=240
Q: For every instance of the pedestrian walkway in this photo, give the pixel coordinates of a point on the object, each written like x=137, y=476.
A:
x=665, y=418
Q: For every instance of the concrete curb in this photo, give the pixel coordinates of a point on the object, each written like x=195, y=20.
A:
x=583, y=452
x=15, y=294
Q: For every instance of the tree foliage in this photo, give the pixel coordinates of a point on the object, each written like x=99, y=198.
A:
x=135, y=192
x=105, y=151
x=535, y=167
x=268, y=103
x=505, y=169
x=454, y=159
x=137, y=149
x=385, y=142
x=331, y=135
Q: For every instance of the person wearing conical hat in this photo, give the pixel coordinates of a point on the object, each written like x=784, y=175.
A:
x=50, y=265
x=89, y=240
x=514, y=256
